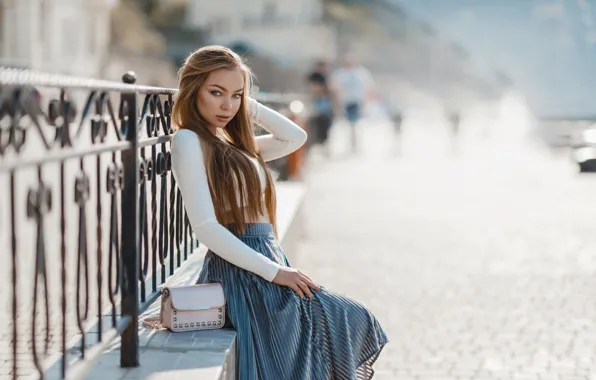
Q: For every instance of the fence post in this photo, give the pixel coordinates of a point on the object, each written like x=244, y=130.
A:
x=129, y=352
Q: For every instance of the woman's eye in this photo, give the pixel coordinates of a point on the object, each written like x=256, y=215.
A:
x=238, y=96
x=216, y=93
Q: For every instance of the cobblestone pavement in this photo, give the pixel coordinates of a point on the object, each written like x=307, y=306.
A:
x=478, y=266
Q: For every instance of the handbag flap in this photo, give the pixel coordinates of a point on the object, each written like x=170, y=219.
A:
x=197, y=297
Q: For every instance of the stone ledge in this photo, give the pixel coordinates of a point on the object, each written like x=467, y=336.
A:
x=206, y=354
x=164, y=355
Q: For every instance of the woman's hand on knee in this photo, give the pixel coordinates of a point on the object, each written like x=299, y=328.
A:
x=296, y=280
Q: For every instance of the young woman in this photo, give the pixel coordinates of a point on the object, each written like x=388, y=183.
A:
x=288, y=327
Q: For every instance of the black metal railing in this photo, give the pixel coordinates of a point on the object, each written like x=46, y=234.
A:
x=93, y=170
x=94, y=221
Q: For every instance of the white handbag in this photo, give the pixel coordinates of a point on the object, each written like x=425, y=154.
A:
x=189, y=308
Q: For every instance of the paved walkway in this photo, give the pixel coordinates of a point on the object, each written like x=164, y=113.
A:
x=479, y=266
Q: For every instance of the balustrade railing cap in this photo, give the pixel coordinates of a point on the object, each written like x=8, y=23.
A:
x=23, y=77
x=276, y=97
x=20, y=77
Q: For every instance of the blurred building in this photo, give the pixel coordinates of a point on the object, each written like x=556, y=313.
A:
x=290, y=32
x=65, y=36
x=138, y=44
x=87, y=38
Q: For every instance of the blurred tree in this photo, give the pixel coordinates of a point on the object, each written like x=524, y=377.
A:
x=132, y=31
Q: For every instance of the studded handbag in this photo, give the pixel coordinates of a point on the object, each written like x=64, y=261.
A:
x=189, y=308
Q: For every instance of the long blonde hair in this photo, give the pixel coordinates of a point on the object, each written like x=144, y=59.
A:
x=232, y=177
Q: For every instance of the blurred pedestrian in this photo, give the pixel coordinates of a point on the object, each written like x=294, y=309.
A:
x=353, y=84
x=322, y=108
x=397, y=120
x=454, y=123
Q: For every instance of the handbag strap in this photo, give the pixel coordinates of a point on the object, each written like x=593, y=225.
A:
x=153, y=323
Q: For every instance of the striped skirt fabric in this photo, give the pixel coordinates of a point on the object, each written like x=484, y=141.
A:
x=283, y=337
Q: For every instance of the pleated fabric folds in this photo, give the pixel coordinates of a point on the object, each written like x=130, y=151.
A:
x=281, y=336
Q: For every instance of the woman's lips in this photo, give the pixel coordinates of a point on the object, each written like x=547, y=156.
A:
x=222, y=118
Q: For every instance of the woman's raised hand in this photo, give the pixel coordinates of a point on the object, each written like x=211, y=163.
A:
x=296, y=280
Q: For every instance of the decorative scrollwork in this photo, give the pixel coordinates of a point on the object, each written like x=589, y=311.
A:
x=168, y=161
x=160, y=170
x=82, y=189
x=115, y=178
x=156, y=116
x=99, y=122
x=167, y=113
x=114, y=184
x=16, y=137
x=39, y=203
x=123, y=115
x=99, y=128
x=143, y=171
x=61, y=114
x=21, y=110
x=12, y=131
x=81, y=196
x=22, y=106
x=149, y=169
x=143, y=226
x=162, y=164
x=164, y=119
x=152, y=130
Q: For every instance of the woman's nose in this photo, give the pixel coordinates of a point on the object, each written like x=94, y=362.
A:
x=226, y=104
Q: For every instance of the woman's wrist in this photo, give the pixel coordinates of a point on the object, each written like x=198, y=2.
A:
x=271, y=272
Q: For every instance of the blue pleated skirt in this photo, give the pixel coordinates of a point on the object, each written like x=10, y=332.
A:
x=281, y=336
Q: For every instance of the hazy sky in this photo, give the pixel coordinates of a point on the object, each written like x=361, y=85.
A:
x=547, y=46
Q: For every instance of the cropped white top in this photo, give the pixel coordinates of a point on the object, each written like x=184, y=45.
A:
x=188, y=166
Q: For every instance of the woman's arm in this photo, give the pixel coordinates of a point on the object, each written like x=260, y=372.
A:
x=191, y=176
x=285, y=136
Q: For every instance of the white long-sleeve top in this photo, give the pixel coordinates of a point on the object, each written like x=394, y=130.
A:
x=188, y=166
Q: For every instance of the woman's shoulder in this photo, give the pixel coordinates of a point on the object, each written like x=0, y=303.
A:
x=183, y=133
x=186, y=140
x=186, y=137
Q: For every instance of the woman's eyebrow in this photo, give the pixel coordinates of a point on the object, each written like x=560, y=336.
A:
x=224, y=89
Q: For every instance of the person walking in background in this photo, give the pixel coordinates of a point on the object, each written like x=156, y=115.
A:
x=322, y=67
x=323, y=104
x=454, y=118
x=397, y=118
x=353, y=84
x=287, y=326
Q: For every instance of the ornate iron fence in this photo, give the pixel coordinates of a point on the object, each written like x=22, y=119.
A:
x=92, y=206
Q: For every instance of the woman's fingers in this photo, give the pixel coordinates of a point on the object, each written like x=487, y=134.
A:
x=310, y=282
x=305, y=289
x=305, y=275
x=296, y=288
x=301, y=284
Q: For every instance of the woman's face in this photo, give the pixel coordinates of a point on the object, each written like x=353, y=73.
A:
x=220, y=97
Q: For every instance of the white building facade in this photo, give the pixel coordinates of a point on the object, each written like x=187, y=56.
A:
x=61, y=36
x=290, y=31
